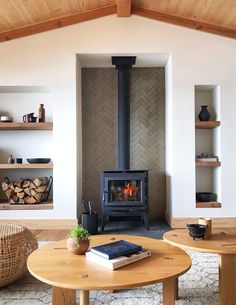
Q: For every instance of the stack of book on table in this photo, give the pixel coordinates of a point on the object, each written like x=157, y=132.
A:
x=117, y=254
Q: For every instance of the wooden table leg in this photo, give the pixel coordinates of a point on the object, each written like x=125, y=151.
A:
x=227, y=281
x=169, y=291
x=176, y=288
x=62, y=296
x=84, y=297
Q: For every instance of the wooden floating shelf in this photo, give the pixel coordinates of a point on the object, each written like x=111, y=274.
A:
x=208, y=204
x=206, y=124
x=26, y=166
x=208, y=164
x=39, y=206
x=26, y=126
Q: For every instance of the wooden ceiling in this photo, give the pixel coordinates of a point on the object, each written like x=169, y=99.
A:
x=19, y=18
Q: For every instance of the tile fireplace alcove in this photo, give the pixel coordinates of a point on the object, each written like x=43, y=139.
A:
x=99, y=125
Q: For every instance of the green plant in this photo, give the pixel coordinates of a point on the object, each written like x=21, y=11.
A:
x=79, y=232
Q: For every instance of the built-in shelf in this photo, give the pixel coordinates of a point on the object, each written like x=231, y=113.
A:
x=39, y=206
x=26, y=166
x=26, y=126
x=208, y=164
x=206, y=124
x=209, y=204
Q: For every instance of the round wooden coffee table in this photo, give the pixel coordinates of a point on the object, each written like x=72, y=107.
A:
x=222, y=242
x=66, y=272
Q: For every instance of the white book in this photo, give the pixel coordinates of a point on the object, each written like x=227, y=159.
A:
x=118, y=261
x=212, y=159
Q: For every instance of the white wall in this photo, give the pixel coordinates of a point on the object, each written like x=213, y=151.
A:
x=197, y=58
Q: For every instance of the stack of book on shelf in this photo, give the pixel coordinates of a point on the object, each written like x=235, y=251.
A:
x=207, y=158
x=117, y=254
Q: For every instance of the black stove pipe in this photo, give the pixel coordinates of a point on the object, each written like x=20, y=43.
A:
x=123, y=65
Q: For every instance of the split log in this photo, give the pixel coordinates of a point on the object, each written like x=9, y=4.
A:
x=9, y=193
x=30, y=199
x=4, y=186
x=18, y=189
x=20, y=195
x=37, y=182
x=41, y=189
x=32, y=186
x=26, y=191
x=18, y=182
x=25, y=184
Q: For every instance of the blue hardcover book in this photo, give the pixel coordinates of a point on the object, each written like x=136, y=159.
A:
x=115, y=249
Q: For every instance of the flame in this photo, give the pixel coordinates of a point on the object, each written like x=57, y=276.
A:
x=129, y=189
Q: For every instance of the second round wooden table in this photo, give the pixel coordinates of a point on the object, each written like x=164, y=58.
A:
x=222, y=242
x=66, y=272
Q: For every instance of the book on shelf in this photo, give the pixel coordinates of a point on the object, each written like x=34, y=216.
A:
x=115, y=249
x=117, y=262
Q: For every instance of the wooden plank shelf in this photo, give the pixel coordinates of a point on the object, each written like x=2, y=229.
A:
x=208, y=164
x=39, y=206
x=206, y=124
x=26, y=126
x=208, y=204
x=26, y=166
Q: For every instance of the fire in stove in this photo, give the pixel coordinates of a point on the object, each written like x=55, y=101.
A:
x=123, y=191
x=130, y=190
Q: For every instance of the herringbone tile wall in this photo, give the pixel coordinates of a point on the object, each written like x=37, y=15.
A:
x=100, y=130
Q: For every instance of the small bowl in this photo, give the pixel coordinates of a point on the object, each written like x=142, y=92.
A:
x=196, y=230
x=205, y=196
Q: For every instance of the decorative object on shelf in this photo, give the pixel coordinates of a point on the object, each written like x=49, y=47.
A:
x=26, y=190
x=208, y=223
x=27, y=116
x=10, y=160
x=6, y=119
x=18, y=160
x=196, y=230
x=41, y=113
x=204, y=114
x=205, y=157
x=33, y=119
x=38, y=160
x=206, y=196
x=78, y=242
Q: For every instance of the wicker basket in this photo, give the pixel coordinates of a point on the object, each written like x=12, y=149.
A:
x=16, y=244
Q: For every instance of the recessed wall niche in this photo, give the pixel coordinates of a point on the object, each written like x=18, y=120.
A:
x=147, y=130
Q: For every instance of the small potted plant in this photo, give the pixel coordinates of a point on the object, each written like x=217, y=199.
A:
x=78, y=242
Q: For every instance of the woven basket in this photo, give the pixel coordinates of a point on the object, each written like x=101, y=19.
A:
x=16, y=244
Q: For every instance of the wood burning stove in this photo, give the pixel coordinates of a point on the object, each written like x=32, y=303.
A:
x=124, y=193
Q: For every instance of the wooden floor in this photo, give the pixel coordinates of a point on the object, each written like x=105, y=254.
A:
x=51, y=234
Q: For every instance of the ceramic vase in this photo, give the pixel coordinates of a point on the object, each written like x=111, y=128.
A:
x=77, y=246
x=204, y=114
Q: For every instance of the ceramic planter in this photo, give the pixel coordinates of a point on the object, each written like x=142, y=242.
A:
x=78, y=246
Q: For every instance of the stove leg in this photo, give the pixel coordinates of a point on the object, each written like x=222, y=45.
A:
x=146, y=221
x=104, y=221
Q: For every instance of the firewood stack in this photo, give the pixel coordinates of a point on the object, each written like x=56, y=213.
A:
x=26, y=191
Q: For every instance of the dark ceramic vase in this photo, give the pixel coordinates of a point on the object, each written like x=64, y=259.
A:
x=204, y=114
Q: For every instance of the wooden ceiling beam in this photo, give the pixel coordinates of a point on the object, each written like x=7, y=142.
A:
x=123, y=8
x=58, y=23
x=185, y=22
